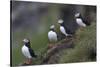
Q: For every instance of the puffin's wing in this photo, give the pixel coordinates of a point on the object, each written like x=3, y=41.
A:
x=86, y=20
x=68, y=30
x=32, y=53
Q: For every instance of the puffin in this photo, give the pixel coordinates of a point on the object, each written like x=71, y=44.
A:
x=63, y=29
x=52, y=36
x=27, y=51
x=82, y=22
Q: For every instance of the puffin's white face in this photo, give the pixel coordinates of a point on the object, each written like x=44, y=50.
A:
x=52, y=27
x=25, y=40
x=77, y=14
x=60, y=21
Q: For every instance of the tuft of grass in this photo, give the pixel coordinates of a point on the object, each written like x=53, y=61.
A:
x=85, y=46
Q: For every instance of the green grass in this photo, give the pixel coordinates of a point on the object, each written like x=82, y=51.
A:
x=85, y=45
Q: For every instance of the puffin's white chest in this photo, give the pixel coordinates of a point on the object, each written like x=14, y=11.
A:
x=80, y=22
x=63, y=31
x=52, y=36
x=26, y=52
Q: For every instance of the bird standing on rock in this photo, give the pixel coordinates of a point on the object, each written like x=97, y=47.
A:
x=27, y=51
x=63, y=28
x=52, y=36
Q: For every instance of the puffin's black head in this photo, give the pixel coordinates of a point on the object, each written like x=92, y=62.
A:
x=26, y=42
x=52, y=27
x=78, y=15
x=60, y=21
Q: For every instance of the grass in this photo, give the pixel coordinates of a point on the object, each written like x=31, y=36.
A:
x=85, y=46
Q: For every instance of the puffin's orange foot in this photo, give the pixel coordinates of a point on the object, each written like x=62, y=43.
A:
x=50, y=46
x=28, y=62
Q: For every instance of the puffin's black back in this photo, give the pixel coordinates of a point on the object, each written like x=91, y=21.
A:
x=85, y=20
x=28, y=45
x=32, y=53
x=66, y=29
x=30, y=49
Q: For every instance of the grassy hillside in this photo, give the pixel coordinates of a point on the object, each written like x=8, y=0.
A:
x=85, y=46
x=83, y=51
